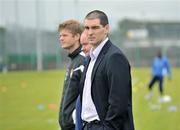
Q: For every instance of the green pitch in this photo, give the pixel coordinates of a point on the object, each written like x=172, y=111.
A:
x=30, y=101
x=150, y=114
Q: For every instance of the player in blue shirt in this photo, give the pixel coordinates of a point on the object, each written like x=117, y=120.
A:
x=160, y=68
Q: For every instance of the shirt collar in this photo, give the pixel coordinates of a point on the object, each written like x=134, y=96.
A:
x=94, y=53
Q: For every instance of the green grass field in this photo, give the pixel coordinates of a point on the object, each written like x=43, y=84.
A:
x=30, y=101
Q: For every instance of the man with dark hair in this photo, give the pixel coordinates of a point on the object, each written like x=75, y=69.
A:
x=69, y=37
x=106, y=91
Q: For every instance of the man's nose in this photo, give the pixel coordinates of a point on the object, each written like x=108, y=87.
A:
x=60, y=38
x=90, y=31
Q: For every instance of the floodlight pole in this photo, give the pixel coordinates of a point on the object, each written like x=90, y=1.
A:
x=76, y=8
x=38, y=39
x=3, y=40
x=17, y=37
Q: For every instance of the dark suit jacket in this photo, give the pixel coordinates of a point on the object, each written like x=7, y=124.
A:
x=111, y=88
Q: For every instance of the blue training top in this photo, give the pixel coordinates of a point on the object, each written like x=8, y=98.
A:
x=161, y=67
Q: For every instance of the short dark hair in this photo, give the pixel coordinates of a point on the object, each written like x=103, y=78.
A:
x=97, y=14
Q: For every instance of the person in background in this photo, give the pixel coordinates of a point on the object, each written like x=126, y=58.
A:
x=160, y=68
x=85, y=43
x=106, y=90
x=69, y=38
x=85, y=48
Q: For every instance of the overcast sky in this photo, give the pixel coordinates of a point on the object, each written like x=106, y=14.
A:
x=52, y=12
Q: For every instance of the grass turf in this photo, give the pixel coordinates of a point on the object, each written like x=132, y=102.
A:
x=30, y=101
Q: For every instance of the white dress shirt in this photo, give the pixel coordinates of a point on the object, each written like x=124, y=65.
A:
x=89, y=112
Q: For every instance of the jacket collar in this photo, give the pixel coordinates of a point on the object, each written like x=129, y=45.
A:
x=74, y=53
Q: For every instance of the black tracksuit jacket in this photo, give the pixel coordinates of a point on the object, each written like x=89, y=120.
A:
x=71, y=89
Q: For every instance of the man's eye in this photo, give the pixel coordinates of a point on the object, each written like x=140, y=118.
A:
x=87, y=28
x=96, y=27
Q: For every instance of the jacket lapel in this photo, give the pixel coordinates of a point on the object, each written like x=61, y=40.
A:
x=86, y=67
x=99, y=59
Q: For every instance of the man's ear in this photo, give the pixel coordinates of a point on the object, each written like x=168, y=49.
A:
x=77, y=36
x=107, y=28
